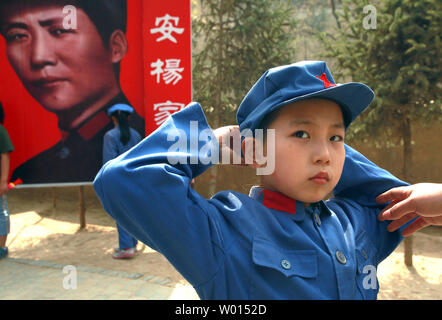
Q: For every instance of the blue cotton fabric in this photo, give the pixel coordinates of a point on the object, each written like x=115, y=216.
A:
x=233, y=247
x=112, y=148
x=112, y=145
x=5, y=223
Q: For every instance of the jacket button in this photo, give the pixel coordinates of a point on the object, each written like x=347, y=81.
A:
x=285, y=264
x=364, y=254
x=341, y=257
x=317, y=219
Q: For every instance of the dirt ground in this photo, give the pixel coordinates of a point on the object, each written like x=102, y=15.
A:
x=40, y=231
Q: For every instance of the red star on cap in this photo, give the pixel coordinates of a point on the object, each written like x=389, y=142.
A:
x=327, y=84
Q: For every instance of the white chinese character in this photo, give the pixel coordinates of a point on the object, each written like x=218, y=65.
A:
x=158, y=69
x=165, y=109
x=171, y=72
x=167, y=28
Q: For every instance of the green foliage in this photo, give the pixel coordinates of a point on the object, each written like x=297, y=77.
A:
x=400, y=60
x=234, y=42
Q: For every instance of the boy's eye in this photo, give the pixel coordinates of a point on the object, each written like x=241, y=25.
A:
x=336, y=139
x=301, y=134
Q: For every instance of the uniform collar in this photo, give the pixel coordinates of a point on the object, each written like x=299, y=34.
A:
x=89, y=129
x=280, y=202
x=96, y=122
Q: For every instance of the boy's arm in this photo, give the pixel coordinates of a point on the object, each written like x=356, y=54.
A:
x=147, y=191
x=362, y=181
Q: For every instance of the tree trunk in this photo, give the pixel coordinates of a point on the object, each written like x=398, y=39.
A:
x=406, y=170
x=82, y=208
x=54, y=198
x=218, y=99
x=333, y=6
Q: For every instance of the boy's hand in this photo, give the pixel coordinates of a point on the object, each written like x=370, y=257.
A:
x=423, y=200
x=229, y=138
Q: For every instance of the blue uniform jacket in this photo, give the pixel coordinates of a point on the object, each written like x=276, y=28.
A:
x=234, y=247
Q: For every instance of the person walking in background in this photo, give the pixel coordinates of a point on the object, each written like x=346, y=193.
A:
x=117, y=141
x=5, y=148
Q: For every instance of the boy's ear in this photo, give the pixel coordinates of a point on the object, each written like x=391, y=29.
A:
x=251, y=149
x=118, y=46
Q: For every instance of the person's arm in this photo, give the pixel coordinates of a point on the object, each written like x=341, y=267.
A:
x=5, y=148
x=147, y=191
x=4, y=173
x=423, y=200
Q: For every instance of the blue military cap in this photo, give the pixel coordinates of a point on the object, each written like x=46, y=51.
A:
x=120, y=107
x=283, y=85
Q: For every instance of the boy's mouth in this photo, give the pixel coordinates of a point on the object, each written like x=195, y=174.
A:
x=320, y=178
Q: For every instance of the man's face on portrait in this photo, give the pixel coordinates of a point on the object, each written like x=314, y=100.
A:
x=61, y=68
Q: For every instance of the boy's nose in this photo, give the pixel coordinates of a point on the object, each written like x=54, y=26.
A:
x=42, y=53
x=321, y=154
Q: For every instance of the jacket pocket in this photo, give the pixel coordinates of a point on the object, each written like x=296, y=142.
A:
x=301, y=263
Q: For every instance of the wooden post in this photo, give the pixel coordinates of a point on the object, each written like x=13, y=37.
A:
x=82, y=209
x=54, y=199
x=406, y=170
x=408, y=250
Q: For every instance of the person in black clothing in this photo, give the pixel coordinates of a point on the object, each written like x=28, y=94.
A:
x=72, y=71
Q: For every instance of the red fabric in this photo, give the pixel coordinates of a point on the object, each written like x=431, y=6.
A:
x=278, y=201
x=327, y=84
x=91, y=128
x=174, y=45
x=33, y=129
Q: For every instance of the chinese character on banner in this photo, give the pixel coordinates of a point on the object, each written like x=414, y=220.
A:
x=165, y=109
x=171, y=72
x=167, y=28
x=167, y=48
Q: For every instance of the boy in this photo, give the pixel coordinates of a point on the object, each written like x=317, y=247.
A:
x=282, y=241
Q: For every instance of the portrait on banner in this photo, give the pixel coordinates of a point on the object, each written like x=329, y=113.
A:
x=67, y=55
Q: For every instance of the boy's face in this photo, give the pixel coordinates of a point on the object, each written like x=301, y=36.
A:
x=61, y=68
x=309, y=150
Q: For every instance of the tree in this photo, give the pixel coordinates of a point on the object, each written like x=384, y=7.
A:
x=394, y=47
x=234, y=42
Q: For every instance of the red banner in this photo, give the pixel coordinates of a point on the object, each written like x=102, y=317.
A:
x=62, y=67
x=167, y=53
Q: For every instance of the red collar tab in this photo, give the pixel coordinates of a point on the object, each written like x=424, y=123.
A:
x=94, y=125
x=278, y=201
x=327, y=84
